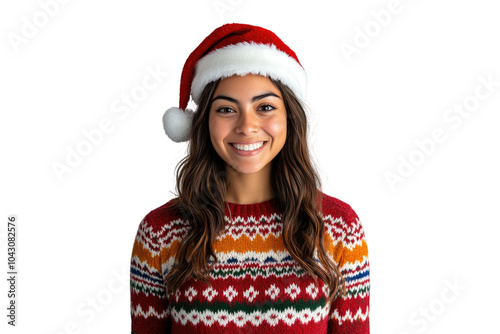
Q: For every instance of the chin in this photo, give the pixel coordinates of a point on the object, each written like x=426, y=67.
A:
x=247, y=170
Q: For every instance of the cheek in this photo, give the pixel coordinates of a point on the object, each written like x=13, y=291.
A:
x=218, y=130
x=277, y=127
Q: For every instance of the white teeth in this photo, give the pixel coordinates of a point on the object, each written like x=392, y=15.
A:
x=250, y=147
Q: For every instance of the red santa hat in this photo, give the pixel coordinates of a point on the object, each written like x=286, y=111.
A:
x=232, y=49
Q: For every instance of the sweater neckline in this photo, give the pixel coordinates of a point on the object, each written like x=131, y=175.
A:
x=267, y=206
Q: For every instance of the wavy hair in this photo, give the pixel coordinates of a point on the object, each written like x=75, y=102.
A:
x=201, y=183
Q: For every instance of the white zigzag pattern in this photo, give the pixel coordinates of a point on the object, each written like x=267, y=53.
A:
x=136, y=262
x=261, y=256
x=348, y=316
x=167, y=231
x=239, y=227
x=272, y=317
x=143, y=237
x=350, y=266
x=352, y=270
x=334, y=225
x=252, y=219
x=150, y=313
x=238, y=232
x=352, y=233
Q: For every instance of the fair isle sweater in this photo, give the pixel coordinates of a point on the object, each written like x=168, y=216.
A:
x=255, y=285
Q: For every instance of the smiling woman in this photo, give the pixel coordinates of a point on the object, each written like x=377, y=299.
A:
x=247, y=125
x=251, y=244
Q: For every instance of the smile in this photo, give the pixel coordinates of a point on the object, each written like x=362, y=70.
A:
x=251, y=147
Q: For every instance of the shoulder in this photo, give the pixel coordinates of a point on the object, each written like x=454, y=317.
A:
x=164, y=224
x=341, y=221
x=335, y=208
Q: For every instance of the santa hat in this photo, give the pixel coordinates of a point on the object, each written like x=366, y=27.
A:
x=232, y=49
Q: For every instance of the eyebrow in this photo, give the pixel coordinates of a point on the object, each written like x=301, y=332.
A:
x=255, y=98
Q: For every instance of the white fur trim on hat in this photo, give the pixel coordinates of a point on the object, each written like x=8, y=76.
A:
x=244, y=58
x=177, y=123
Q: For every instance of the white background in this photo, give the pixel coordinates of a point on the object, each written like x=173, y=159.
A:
x=434, y=228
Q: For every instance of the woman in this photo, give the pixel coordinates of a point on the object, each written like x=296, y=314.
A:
x=251, y=244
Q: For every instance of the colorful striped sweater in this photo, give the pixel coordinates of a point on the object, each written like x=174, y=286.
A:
x=256, y=286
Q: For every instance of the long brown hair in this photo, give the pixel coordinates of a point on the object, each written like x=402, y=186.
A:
x=201, y=183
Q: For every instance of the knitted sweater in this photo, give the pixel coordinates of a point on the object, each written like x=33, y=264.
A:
x=256, y=286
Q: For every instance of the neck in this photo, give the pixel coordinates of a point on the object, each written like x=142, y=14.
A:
x=249, y=188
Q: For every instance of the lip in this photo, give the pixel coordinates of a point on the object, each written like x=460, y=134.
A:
x=248, y=143
x=249, y=153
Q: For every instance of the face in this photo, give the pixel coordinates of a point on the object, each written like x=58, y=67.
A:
x=247, y=109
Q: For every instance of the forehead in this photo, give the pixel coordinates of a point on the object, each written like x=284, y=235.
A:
x=249, y=85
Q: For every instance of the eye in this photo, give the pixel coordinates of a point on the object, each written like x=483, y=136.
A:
x=266, y=107
x=224, y=110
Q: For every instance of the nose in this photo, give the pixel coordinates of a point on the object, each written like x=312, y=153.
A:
x=248, y=122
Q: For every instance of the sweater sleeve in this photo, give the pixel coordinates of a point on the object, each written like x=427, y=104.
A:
x=149, y=306
x=350, y=313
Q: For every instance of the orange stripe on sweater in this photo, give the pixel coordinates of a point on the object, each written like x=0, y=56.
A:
x=356, y=254
x=244, y=244
x=143, y=254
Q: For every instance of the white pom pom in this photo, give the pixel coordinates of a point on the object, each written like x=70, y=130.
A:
x=177, y=124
